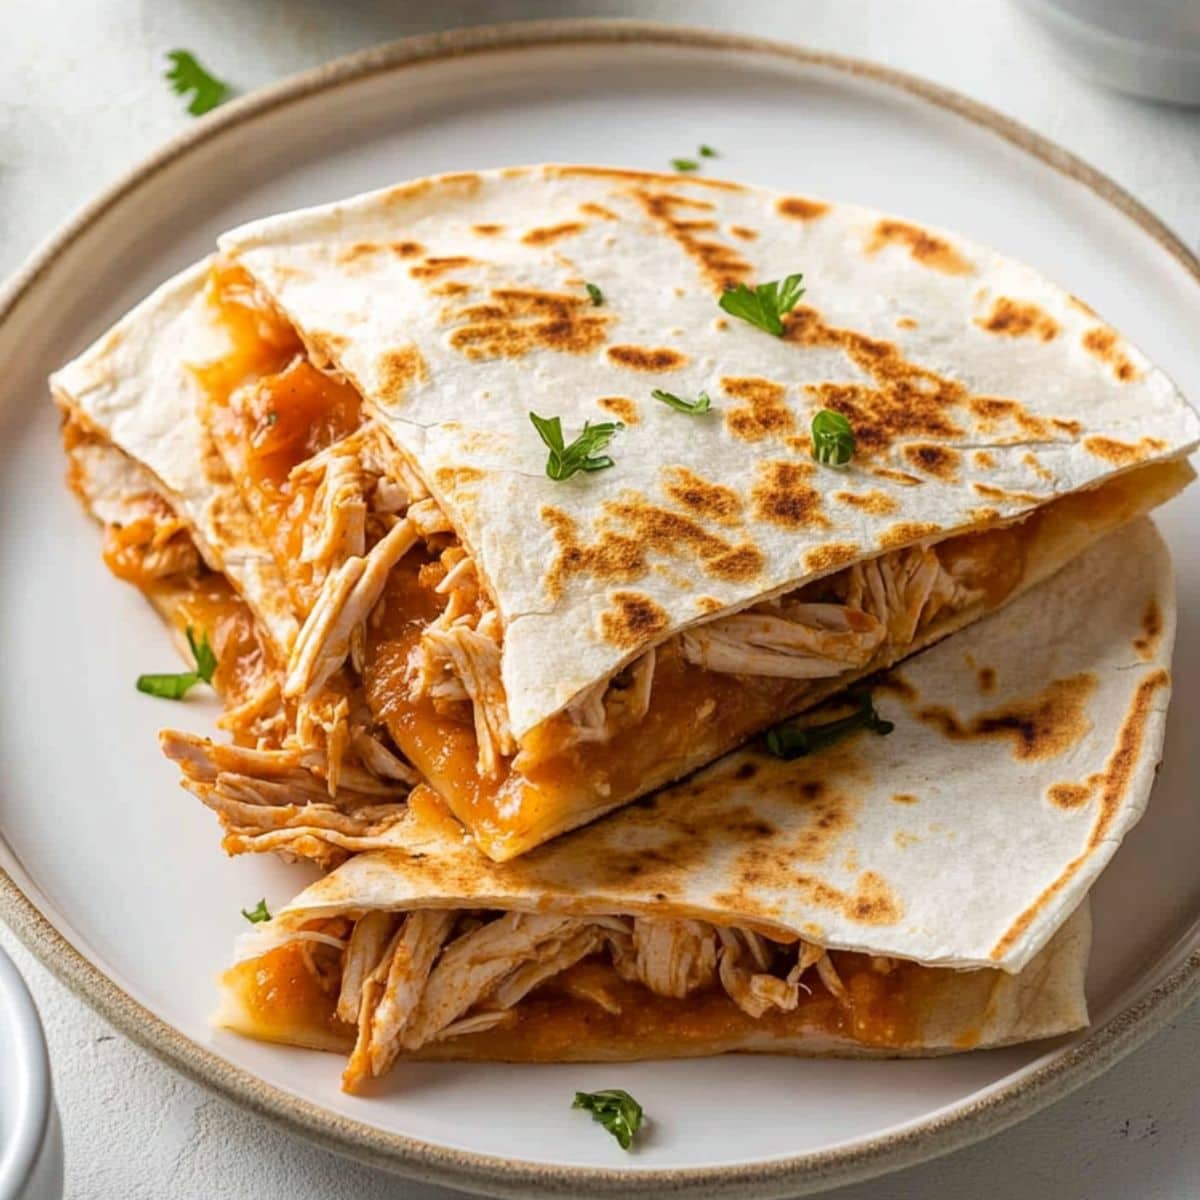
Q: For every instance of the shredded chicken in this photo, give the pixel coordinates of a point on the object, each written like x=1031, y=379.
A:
x=367, y=942
x=271, y=800
x=392, y=991
x=475, y=661
x=904, y=590
x=338, y=528
x=443, y=974
x=346, y=600
x=603, y=710
x=672, y=958
x=810, y=641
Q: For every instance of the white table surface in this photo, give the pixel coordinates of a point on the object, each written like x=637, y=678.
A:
x=81, y=100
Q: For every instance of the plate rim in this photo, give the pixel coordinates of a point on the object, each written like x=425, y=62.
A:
x=923, y=1139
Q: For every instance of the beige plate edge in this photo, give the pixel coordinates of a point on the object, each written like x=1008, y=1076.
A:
x=806, y=1173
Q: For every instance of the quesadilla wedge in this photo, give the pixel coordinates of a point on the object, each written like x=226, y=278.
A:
x=269, y=793
x=132, y=429
x=545, y=646
x=902, y=894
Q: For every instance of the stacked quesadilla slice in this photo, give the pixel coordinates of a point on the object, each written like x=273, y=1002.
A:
x=497, y=502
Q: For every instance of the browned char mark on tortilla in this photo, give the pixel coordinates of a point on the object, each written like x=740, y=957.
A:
x=517, y=321
x=1111, y=784
x=632, y=619
x=939, y=461
x=627, y=532
x=799, y=208
x=783, y=495
x=1122, y=454
x=1043, y=726
x=924, y=247
x=901, y=401
x=545, y=235
x=1018, y=318
x=873, y=501
x=701, y=497
x=1147, y=642
x=1104, y=344
x=721, y=265
x=763, y=411
x=621, y=407
x=647, y=358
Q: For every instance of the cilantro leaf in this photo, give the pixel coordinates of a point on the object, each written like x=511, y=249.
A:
x=685, y=164
x=187, y=75
x=563, y=460
x=176, y=686
x=596, y=294
x=765, y=305
x=258, y=913
x=616, y=1110
x=701, y=404
x=707, y=152
x=790, y=740
x=832, y=438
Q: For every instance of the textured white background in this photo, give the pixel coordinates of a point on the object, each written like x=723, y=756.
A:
x=81, y=100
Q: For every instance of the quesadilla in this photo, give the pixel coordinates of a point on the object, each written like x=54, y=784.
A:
x=176, y=527
x=914, y=893
x=544, y=649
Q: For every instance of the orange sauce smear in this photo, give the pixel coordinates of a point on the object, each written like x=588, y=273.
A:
x=270, y=409
x=695, y=712
x=283, y=1000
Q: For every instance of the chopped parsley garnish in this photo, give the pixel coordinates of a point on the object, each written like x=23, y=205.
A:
x=707, y=152
x=187, y=75
x=596, y=294
x=701, y=404
x=272, y=417
x=789, y=740
x=258, y=913
x=175, y=687
x=563, y=460
x=765, y=305
x=616, y=1110
x=832, y=438
x=685, y=164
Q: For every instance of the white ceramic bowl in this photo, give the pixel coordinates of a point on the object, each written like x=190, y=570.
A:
x=30, y=1139
x=1148, y=48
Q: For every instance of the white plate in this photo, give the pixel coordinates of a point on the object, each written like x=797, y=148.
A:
x=114, y=872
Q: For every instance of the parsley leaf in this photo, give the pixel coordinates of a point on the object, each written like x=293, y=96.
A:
x=766, y=305
x=832, y=438
x=707, y=152
x=701, y=404
x=788, y=741
x=258, y=913
x=563, y=461
x=187, y=75
x=596, y=294
x=176, y=686
x=616, y=1110
x=685, y=164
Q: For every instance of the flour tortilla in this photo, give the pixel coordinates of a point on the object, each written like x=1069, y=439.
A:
x=457, y=305
x=135, y=388
x=1023, y=752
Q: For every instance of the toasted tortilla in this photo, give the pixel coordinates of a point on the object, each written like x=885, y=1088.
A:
x=136, y=389
x=456, y=306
